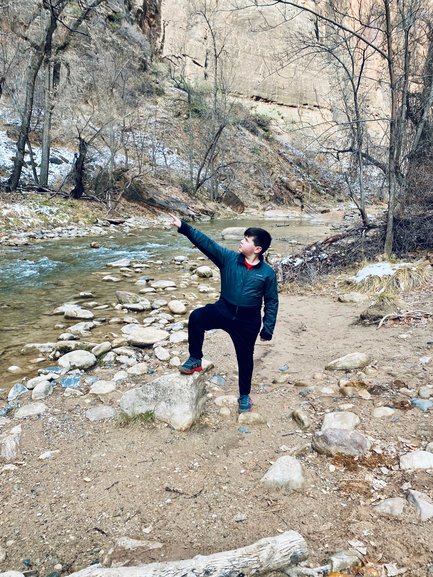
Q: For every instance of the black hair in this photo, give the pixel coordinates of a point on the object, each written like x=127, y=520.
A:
x=260, y=238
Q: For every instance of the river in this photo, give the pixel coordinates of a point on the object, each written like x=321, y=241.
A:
x=37, y=278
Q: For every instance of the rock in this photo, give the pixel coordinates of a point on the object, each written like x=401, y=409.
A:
x=226, y=401
x=422, y=404
x=82, y=328
x=352, y=297
x=3, y=555
x=423, y=504
x=77, y=360
x=393, y=507
x=143, y=305
x=103, y=388
x=179, y=337
x=233, y=233
x=31, y=410
x=124, y=297
x=111, y=278
x=204, y=272
x=122, y=262
x=349, y=362
x=12, y=574
x=32, y=383
x=301, y=418
x=416, y=460
x=39, y=347
x=10, y=444
x=14, y=369
x=177, y=307
x=102, y=413
x=163, y=284
x=285, y=473
x=248, y=418
x=340, y=420
x=143, y=336
x=16, y=391
x=161, y=353
x=174, y=399
x=344, y=560
x=79, y=313
x=101, y=349
x=333, y=441
x=42, y=390
x=174, y=362
x=425, y=392
x=71, y=381
x=138, y=369
x=381, y=412
x=129, y=552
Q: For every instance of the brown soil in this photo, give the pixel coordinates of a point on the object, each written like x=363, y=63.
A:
x=199, y=492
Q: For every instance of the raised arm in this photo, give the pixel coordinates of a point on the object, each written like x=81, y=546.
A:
x=217, y=253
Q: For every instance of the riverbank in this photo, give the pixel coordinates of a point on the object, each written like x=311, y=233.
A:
x=85, y=477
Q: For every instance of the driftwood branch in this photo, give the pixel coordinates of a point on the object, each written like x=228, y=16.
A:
x=415, y=315
x=267, y=555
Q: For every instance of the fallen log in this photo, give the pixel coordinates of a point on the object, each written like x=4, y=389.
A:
x=269, y=554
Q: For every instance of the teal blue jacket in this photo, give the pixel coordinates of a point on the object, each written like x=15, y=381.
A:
x=241, y=287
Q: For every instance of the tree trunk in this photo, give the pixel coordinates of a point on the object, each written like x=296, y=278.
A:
x=264, y=556
x=32, y=73
x=78, y=190
x=46, y=128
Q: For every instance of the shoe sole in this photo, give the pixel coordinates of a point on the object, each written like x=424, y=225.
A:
x=190, y=371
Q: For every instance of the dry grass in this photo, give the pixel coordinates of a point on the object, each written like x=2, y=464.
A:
x=407, y=277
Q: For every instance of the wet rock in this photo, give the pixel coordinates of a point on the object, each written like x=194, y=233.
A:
x=177, y=307
x=125, y=297
x=39, y=347
x=111, y=278
x=393, y=507
x=42, y=390
x=122, y=262
x=285, y=473
x=174, y=399
x=349, y=362
x=30, y=410
x=77, y=360
x=79, y=313
x=102, y=413
x=10, y=444
x=333, y=441
x=204, y=272
x=340, y=420
x=416, y=460
x=143, y=336
x=162, y=284
x=423, y=504
x=83, y=328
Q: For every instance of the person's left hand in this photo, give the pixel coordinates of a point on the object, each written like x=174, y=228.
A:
x=175, y=221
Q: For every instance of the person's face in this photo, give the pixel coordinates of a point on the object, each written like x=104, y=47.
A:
x=248, y=248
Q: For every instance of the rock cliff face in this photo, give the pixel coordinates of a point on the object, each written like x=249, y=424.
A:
x=255, y=58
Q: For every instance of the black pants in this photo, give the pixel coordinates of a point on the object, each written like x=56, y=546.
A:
x=243, y=328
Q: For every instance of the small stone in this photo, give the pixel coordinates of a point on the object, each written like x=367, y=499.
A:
x=416, y=460
x=301, y=418
x=349, y=362
x=225, y=412
x=161, y=353
x=177, y=307
x=137, y=369
x=30, y=410
x=226, y=401
x=101, y=413
x=423, y=504
x=422, y=404
x=101, y=349
x=285, y=473
x=425, y=392
x=393, y=506
x=249, y=418
x=382, y=412
x=14, y=369
x=340, y=420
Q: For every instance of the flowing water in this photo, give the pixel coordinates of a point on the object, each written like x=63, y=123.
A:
x=37, y=278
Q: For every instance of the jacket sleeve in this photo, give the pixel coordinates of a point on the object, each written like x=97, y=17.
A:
x=271, y=308
x=217, y=253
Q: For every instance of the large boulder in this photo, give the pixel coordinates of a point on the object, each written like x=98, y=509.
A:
x=174, y=399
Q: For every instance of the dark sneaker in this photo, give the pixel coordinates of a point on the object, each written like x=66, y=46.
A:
x=245, y=403
x=190, y=366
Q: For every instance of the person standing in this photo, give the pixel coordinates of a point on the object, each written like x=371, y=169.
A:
x=247, y=283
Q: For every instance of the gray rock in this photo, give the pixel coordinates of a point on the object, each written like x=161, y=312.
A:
x=101, y=349
x=138, y=369
x=16, y=391
x=3, y=555
x=42, y=390
x=102, y=413
x=425, y=392
x=162, y=354
x=423, y=504
x=233, y=233
x=352, y=297
x=204, y=272
x=177, y=307
x=82, y=328
x=162, y=284
x=344, y=560
x=174, y=399
x=393, y=506
x=77, y=360
x=248, y=418
x=333, y=441
x=122, y=262
x=416, y=460
x=179, y=337
x=382, y=412
x=143, y=336
x=79, y=313
x=38, y=347
x=30, y=410
x=301, y=419
x=124, y=297
x=349, y=362
x=103, y=388
x=10, y=443
x=285, y=473
x=340, y=420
